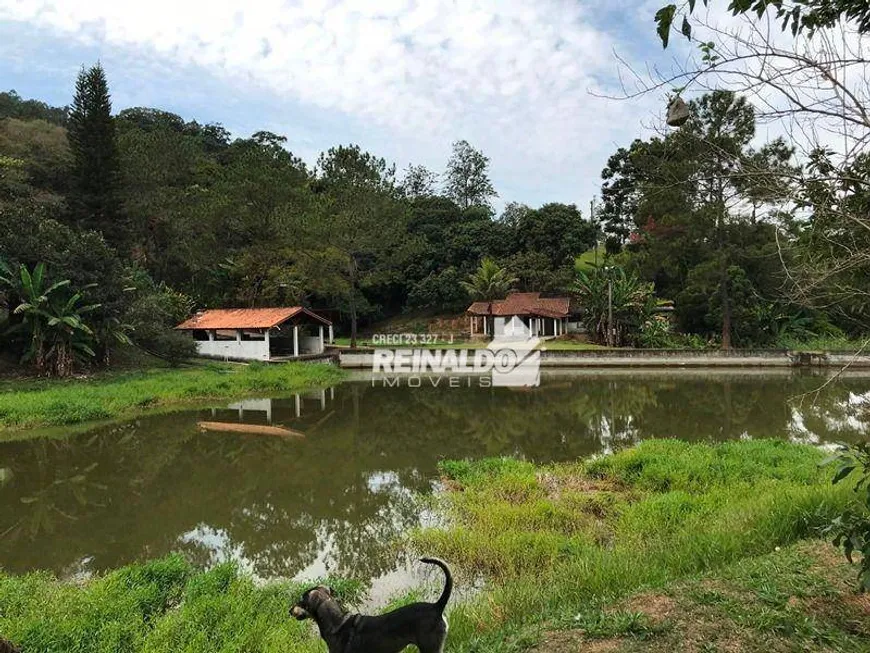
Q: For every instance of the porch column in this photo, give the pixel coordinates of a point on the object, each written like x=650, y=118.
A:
x=268, y=346
x=321, y=340
x=471, y=320
x=331, y=339
x=296, y=340
x=210, y=335
x=239, y=336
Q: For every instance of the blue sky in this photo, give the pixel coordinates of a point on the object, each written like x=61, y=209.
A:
x=403, y=78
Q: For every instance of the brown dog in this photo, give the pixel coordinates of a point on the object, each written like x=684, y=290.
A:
x=421, y=624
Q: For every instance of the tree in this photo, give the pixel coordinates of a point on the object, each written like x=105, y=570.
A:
x=814, y=88
x=489, y=282
x=52, y=322
x=611, y=292
x=94, y=201
x=358, y=225
x=798, y=15
x=34, y=311
x=419, y=182
x=13, y=106
x=558, y=231
x=467, y=181
x=683, y=199
x=43, y=155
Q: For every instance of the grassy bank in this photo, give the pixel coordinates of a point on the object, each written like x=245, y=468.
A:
x=796, y=599
x=667, y=546
x=34, y=404
x=555, y=541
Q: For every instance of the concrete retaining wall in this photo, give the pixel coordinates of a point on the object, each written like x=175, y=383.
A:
x=363, y=358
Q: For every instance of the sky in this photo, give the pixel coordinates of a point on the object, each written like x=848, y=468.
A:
x=519, y=80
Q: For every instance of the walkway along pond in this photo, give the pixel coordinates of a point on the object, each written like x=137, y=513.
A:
x=334, y=499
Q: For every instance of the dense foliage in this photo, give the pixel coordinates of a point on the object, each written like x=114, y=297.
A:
x=157, y=216
x=851, y=529
x=700, y=213
x=148, y=216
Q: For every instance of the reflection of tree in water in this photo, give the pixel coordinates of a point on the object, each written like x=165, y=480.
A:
x=60, y=493
x=341, y=495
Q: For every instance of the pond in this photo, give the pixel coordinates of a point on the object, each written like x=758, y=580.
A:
x=333, y=495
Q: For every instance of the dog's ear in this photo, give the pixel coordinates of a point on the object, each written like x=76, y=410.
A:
x=330, y=591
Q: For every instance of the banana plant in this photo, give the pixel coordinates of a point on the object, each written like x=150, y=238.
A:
x=67, y=334
x=34, y=311
x=53, y=322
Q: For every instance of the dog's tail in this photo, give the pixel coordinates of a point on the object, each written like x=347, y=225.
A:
x=441, y=603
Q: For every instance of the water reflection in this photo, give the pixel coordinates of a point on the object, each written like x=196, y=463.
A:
x=336, y=498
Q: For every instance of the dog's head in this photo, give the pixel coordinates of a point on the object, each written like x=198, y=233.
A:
x=310, y=600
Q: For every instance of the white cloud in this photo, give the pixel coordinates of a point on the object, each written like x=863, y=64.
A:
x=510, y=76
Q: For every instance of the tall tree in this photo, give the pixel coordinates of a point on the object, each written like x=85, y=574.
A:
x=419, y=182
x=96, y=168
x=557, y=231
x=687, y=201
x=467, y=180
x=358, y=227
x=814, y=88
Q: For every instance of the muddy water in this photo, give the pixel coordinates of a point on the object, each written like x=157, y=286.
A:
x=333, y=493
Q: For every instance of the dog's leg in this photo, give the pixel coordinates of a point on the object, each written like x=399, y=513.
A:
x=434, y=646
x=435, y=639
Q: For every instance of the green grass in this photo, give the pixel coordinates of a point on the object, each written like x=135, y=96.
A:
x=573, y=345
x=827, y=344
x=666, y=546
x=555, y=540
x=35, y=404
x=163, y=605
x=799, y=598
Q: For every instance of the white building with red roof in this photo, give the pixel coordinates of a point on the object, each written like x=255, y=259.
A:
x=543, y=316
x=259, y=334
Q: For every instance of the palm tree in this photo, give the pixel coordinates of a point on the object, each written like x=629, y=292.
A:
x=490, y=281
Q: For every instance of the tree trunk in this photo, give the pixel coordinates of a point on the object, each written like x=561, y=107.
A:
x=353, y=274
x=723, y=267
x=726, y=308
x=38, y=346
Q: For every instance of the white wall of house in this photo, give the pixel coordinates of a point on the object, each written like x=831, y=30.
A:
x=245, y=350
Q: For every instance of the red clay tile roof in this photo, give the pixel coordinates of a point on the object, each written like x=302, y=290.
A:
x=246, y=318
x=524, y=303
